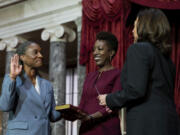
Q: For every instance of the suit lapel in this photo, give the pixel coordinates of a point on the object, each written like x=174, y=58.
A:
x=42, y=88
x=36, y=98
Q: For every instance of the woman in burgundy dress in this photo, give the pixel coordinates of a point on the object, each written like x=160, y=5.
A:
x=105, y=80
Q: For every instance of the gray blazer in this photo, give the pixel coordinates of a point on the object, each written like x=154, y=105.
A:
x=29, y=112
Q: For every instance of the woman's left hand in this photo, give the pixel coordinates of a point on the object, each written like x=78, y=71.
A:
x=102, y=99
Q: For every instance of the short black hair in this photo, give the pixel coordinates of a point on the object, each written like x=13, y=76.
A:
x=22, y=48
x=109, y=38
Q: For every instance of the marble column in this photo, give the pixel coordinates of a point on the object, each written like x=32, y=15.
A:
x=59, y=36
x=81, y=70
x=9, y=44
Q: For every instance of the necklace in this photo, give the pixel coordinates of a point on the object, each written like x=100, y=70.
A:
x=96, y=82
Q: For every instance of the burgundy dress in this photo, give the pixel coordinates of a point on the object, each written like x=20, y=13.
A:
x=108, y=82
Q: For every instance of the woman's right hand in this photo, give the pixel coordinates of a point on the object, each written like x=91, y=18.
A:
x=15, y=67
x=102, y=99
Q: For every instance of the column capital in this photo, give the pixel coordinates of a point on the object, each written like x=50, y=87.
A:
x=10, y=43
x=58, y=33
x=78, y=23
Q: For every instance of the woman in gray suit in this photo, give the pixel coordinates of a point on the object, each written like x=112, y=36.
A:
x=148, y=78
x=27, y=97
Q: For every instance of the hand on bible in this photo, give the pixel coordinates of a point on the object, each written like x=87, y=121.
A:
x=83, y=115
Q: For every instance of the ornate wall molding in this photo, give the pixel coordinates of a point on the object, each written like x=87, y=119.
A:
x=41, y=21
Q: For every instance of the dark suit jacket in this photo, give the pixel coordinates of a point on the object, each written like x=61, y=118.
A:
x=148, y=89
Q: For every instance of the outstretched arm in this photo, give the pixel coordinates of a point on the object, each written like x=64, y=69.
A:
x=138, y=64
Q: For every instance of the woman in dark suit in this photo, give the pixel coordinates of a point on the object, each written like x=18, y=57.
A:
x=27, y=97
x=148, y=78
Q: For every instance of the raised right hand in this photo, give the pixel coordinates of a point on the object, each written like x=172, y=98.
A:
x=15, y=67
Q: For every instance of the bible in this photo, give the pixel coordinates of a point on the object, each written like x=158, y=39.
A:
x=70, y=112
